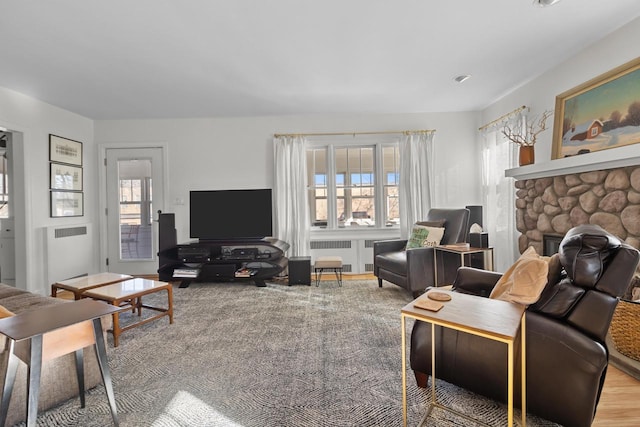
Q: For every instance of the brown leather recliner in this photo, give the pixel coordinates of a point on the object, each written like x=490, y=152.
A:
x=566, y=353
x=413, y=269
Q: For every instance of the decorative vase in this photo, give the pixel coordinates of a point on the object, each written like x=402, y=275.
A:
x=527, y=155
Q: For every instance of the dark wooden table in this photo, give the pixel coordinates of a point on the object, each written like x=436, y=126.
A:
x=46, y=333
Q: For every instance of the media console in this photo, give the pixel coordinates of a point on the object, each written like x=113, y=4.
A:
x=231, y=260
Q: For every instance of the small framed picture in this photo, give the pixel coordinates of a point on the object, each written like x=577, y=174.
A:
x=65, y=177
x=67, y=203
x=63, y=150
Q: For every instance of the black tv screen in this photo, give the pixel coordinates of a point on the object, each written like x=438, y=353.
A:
x=230, y=214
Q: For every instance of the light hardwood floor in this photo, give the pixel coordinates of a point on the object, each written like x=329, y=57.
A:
x=619, y=401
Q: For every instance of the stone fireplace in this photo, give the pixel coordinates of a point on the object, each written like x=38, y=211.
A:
x=550, y=200
x=548, y=207
x=553, y=205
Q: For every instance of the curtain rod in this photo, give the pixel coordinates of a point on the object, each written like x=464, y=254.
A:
x=504, y=116
x=403, y=132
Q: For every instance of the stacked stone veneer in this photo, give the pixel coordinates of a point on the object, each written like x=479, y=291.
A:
x=609, y=198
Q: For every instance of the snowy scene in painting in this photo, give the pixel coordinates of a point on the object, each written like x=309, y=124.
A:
x=614, y=138
x=603, y=117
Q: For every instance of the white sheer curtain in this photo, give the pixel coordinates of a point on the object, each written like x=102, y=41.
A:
x=498, y=192
x=416, y=181
x=290, y=194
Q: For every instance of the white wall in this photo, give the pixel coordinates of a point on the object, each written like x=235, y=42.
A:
x=540, y=93
x=228, y=153
x=216, y=153
x=33, y=121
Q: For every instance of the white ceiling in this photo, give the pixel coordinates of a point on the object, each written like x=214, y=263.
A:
x=122, y=59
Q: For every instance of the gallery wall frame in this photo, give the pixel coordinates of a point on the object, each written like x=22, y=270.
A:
x=67, y=203
x=600, y=114
x=64, y=150
x=65, y=177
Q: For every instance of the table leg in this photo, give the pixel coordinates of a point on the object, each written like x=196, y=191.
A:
x=116, y=325
x=435, y=268
x=523, y=373
x=80, y=375
x=34, y=369
x=404, y=371
x=170, y=300
x=101, y=354
x=490, y=263
x=9, y=379
x=433, y=364
x=510, y=385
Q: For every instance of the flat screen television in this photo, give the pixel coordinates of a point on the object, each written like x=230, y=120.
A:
x=230, y=214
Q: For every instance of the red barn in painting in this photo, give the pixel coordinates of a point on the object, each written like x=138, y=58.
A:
x=584, y=132
x=594, y=129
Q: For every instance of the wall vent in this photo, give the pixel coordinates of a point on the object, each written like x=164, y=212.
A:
x=369, y=243
x=331, y=244
x=71, y=231
x=347, y=268
x=368, y=267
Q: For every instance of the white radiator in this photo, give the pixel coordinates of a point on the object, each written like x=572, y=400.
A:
x=357, y=254
x=69, y=251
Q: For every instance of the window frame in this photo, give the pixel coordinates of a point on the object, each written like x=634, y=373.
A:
x=143, y=217
x=378, y=143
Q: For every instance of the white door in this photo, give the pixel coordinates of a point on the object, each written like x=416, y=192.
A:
x=134, y=195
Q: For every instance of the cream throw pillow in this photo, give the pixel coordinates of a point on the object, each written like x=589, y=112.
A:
x=524, y=280
x=423, y=236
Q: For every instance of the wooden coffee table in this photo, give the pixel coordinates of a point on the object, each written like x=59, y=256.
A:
x=130, y=293
x=81, y=284
x=489, y=318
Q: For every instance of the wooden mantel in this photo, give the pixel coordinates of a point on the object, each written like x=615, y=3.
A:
x=600, y=160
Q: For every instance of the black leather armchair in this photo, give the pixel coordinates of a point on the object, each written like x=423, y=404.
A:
x=567, y=356
x=413, y=269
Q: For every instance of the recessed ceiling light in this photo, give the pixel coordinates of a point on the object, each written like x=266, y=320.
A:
x=545, y=3
x=462, y=78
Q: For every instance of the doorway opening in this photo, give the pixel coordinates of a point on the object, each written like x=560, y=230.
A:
x=7, y=222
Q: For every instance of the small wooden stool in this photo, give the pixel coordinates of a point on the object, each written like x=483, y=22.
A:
x=328, y=263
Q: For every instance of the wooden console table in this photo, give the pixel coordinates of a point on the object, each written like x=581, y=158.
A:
x=489, y=318
x=50, y=332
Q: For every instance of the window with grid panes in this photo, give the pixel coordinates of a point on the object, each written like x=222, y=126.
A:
x=357, y=184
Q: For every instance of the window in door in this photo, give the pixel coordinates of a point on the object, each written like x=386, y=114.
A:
x=4, y=177
x=135, y=209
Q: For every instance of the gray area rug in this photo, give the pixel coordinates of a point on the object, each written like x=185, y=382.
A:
x=238, y=355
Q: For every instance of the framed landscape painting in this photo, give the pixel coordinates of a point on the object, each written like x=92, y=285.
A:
x=600, y=114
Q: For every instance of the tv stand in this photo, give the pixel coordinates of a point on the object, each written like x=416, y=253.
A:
x=228, y=261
